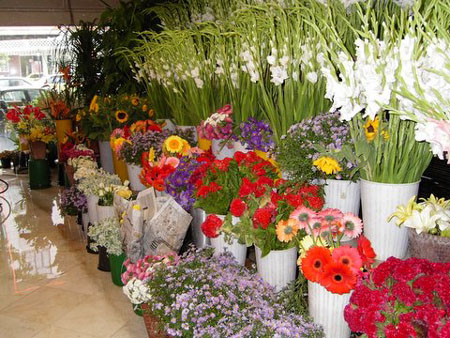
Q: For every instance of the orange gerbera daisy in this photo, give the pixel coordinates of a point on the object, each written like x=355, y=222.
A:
x=313, y=264
x=338, y=278
x=287, y=229
x=348, y=256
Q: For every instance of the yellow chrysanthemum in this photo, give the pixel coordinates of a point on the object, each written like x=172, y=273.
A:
x=327, y=164
x=371, y=128
x=173, y=144
x=94, y=105
x=287, y=229
x=121, y=116
x=134, y=101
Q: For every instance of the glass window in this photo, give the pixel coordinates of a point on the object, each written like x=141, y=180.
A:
x=14, y=96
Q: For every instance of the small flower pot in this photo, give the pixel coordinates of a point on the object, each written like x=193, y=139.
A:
x=103, y=260
x=327, y=309
x=104, y=212
x=120, y=168
x=70, y=172
x=431, y=247
x=152, y=323
x=220, y=245
x=39, y=174
x=92, y=202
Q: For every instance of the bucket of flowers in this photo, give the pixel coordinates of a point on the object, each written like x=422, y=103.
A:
x=256, y=135
x=332, y=269
x=428, y=225
x=73, y=201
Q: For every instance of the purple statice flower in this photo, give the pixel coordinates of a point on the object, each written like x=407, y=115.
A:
x=178, y=185
x=208, y=296
x=257, y=135
x=73, y=201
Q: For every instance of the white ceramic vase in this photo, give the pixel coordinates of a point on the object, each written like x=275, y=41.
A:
x=222, y=152
x=133, y=176
x=105, y=212
x=344, y=195
x=278, y=268
x=106, y=157
x=327, y=309
x=220, y=245
x=198, y=237
x=92, y=202
x=379, y=201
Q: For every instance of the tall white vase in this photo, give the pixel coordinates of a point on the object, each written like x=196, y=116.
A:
x=344, y=195
x=106, y=158
x=222, y=152
x=92, y=202
x=239, y=251
x=278, y=268
x=379, y=201
x=327, y=309
x=198, y=237
x=133, y=176
x=105, y=212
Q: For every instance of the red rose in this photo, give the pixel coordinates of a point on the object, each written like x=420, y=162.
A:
x=366, y=251
x=262, y=217
x=247, y=188
x=237, y=207
x=239, y=156
x=13, y=116
x=211, y=225
x=315, y=202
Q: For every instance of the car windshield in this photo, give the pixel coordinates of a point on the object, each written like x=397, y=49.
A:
x=13, y=96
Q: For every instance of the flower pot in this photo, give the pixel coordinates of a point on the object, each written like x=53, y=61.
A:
x=239, y=251
x=152, y=323
x=239, y=146
x=38, y=174
x=6, y=163
x=106, y=156
x=222, y=149
x=198, y=237
x=120, y=168
x=23, y=142
x=117, y=268
x=344, y=195
x=63, y=127
x=85, y=221
x=379, y=201
x=38, y=150
x=133, y=175
x=193, y=131
x=327, y=309
x=103, y=260
x=431, y=247
x=278, y=268
x=204, y=144
x=104, y=212
x=92, y=202
x=70, y=172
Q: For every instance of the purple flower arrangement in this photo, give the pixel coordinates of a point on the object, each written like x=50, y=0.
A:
x=73, y=201
x=256, y=135
x=178, y=185
x=205, y=296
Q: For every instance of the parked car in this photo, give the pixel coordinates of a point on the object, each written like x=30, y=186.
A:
x=54, y=81
x=33, y=77
x=19, y=96
x=7, y=82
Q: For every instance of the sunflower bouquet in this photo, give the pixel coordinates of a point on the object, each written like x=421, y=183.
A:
x=323, y=259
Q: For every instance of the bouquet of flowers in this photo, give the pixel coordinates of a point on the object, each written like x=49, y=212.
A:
x=218, y=126
x=318, y=144
x=69, y=152
x=431, y=216
x=209, y=296
x=323, y=259
x=106, y=193
x=407, y=298
x=94, y=181
x=256, y=135
x=118, y=137
x=73, y=201
x=154, y=172
x=107, y=234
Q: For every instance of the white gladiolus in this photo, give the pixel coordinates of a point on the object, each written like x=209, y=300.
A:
x=311, y=77
x=279, y=75
x=198, y=82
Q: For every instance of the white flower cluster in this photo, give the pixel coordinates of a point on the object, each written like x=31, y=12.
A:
x=137, y=291
x=249, y=65
x=215, y=119
x=92, y=181
x=278, y=65
x=82, y=162
x=106, y=233
x=429, y=215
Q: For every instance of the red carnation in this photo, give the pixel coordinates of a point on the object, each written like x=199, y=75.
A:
x=239, y=156
x=263, y=217
x=275, y=197
x=237, y=207
x=211, y=225
x=214, y=187
x=315, y=202
x=203, y=191
x=294, y=200
x=247, y=187
x=264, y=180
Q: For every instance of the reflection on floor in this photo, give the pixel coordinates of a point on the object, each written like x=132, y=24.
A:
x=49, y=285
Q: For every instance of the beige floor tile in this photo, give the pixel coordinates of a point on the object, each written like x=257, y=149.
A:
x=11, y=327
x=57, y=332
x=133, y=329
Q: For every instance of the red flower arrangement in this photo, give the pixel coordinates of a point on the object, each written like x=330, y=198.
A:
x=402, y=298
x=153, y=173
x=211, y=226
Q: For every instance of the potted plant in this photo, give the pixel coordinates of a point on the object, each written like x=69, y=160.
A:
x=332, y=269
x=72, y=202
x=428, y=224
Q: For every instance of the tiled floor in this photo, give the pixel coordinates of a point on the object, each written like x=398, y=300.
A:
x=49, y=285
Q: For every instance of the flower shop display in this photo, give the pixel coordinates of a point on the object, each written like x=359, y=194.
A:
x=218, y=128
x=428, y=224
x=332, y=269
x=72, y=202
x=402, y=297
x=226, y=300
x=74, y=157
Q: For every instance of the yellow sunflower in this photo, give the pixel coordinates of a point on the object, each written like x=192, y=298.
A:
x=173, y=144
x=327, y=164
x=371, y=128
x=134, y=101
x=94, y=105
x=121, y=116
x=287, y=229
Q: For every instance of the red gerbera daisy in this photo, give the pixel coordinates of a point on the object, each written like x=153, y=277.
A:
x=313, y=264
x=348, y=256
x=338, y=278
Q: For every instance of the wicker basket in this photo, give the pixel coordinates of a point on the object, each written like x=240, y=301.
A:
x=431, y=247
x=152, y=323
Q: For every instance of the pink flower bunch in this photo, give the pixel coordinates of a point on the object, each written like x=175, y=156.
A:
x=69, y=150
x=144, y=268
x=402, y=298
x=218, y=126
